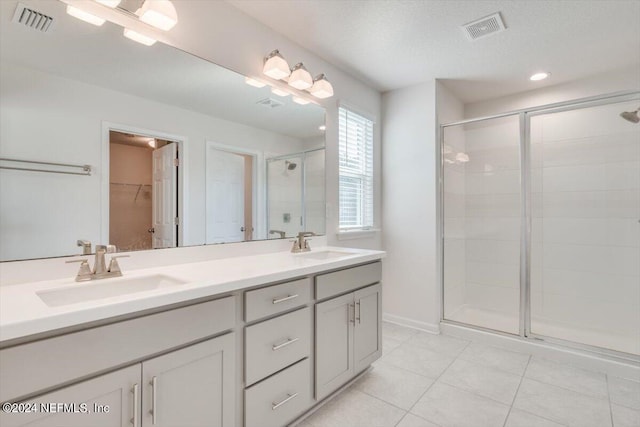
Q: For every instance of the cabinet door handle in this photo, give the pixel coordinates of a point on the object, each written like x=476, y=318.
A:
x=284, y=344
x=287, y=298
x=289, y=397
x=352, y=310
x=357, y=314
x=154, y=403
x=136, y=394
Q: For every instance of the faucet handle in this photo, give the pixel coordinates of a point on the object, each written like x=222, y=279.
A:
x=114, y=267
x=84, y=273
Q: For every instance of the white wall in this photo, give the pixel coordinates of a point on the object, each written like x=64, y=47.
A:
x=45, y=116
x=410, y=293
x=614, y=81
x=216, y=31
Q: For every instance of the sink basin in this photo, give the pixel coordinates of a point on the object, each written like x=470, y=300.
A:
x=99, y=289
x=323, y=255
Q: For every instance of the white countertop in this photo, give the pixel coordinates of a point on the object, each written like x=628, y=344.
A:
x=23, y=313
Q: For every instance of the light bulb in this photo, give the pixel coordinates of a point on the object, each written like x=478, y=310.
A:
x=321, y=87
x=140, y=38
x=84, y=16
x=275, y=66
x=158, y=13
x=300, y=77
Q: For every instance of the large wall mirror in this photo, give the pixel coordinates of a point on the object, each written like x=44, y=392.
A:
x=179, y=151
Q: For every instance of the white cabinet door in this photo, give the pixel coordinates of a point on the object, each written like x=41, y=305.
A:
x=367, y=336
x=192, y=387
x=110, y=402
x=334, y=344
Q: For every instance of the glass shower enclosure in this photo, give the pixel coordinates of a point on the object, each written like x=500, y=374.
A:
x=295, y=194
x=540, y=224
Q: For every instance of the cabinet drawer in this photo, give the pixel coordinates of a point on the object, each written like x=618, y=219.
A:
x=279, y=399
x=276, y=299
x=276, y=343
x=28, y=368
x=343, y=281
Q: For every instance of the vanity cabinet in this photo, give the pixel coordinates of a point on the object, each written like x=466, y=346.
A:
x=348, y=327
x=259, y=357
x=190, y=387
x=114, y=390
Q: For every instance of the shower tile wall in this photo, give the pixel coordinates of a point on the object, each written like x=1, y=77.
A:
x=586, y=241
x=314, y=192
x=454, y=223
x=492, y=223
x=285, y=197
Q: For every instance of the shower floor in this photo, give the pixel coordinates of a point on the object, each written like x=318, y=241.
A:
x=509, y=322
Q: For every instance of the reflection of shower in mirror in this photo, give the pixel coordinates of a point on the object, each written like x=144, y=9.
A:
x=290, y=165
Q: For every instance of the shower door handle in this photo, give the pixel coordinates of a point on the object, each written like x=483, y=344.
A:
x=151, y=230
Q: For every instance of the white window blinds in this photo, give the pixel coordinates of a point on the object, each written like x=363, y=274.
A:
x=356, y=170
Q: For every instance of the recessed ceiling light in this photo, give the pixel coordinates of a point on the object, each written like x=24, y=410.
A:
x=539, y=76
x=322, y=128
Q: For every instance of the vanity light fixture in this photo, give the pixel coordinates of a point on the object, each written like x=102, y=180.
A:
x=84, y=16
x=275, y=66
x=279, y=92
x=109, y=3
x=539, y=76
x=300, y=78
x=137, y=37
x=300, y=101
x=254, y=82
x=321, y=87
x=158, y=13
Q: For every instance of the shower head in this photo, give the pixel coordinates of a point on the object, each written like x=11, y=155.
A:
x=631, y=116
x=289, y=165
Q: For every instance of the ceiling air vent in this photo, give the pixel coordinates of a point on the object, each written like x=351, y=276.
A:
x=270, y=102
x=484, y=26
x=32, y=18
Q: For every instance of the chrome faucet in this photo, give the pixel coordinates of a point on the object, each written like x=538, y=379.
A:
x=301, y=244
x=100, y=270
x=280, y=232
x=86, y=246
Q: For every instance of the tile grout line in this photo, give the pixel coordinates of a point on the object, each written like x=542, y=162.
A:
x=436, y=380
x=606, y=377
x=517, y=390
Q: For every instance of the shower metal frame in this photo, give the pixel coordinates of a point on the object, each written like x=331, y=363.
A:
x=524, y=116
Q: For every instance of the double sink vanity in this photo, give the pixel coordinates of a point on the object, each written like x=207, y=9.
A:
x=253, y=341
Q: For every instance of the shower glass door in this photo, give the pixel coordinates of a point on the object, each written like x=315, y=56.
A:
x=481, y=193
x=585, y=235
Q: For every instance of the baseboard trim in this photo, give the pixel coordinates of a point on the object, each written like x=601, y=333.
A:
x=432, y=328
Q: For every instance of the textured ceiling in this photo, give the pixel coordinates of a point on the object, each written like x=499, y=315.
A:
x=392, y=44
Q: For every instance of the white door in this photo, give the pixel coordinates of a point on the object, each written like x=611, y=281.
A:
x=165, y=204
x=225, y=196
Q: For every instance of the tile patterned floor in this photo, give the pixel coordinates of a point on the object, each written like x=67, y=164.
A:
x=426, y=380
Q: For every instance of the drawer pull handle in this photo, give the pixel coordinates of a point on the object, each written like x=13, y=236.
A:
x=154, y=403
x=275, y=405
x=136, y=395
x=358, y=311
x=287, y=298
x=284, y=344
